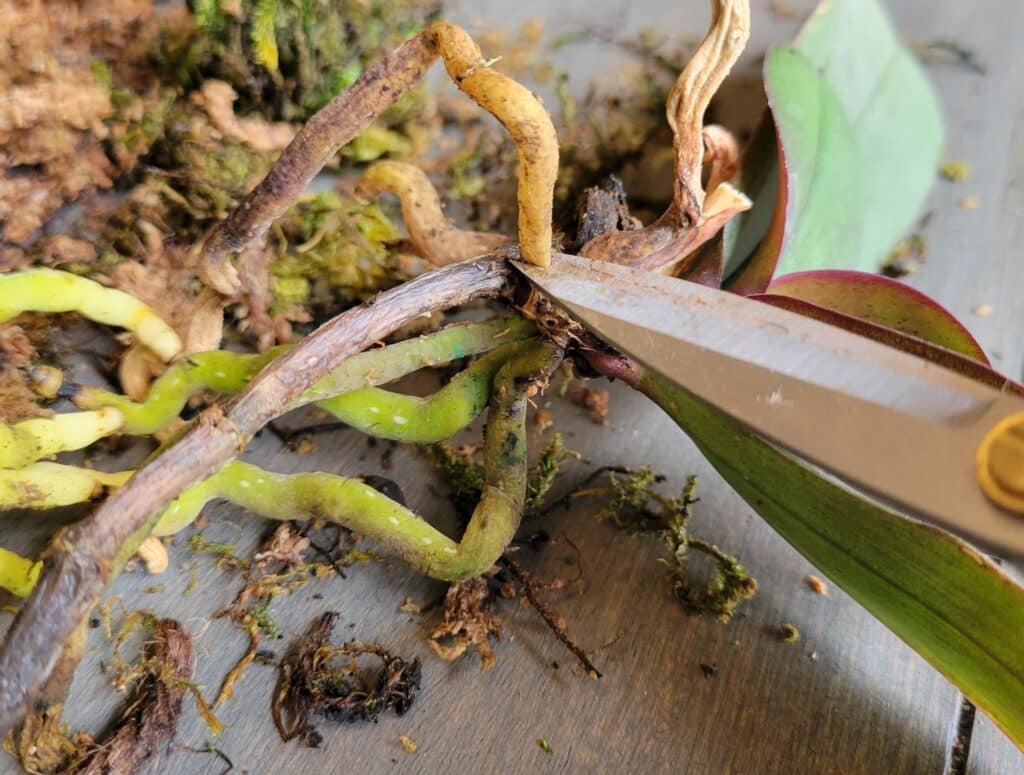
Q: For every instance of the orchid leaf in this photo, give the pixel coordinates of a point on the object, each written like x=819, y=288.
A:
x=884, y=141
x=883, y=301
x=948, y=602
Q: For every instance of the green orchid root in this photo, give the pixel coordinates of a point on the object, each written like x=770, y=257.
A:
x=374, y=411
x=50, y=290
x=398, y=530
x=227, y=372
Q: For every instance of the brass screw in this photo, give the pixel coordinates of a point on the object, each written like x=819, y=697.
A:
x=1000, y=462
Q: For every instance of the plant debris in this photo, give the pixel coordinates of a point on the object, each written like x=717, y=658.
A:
x=817, y=586
x=789, y=633
x=955, y=171
x=467, y=621
x=407, y=743
x=311, y=681
x=594, y=400
x=634, y=505
x=150, y=718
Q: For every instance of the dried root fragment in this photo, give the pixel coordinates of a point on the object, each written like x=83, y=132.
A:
x=150, y=718
x=153, y=555
x=467, y=622
x=433, y=235
x=312, y=681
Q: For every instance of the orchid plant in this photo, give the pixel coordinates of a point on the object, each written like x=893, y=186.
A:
x=787, y=221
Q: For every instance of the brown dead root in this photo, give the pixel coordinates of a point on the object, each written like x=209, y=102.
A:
x=334, y=682
x=468, y=620
x=161, y=679
x=152, y=715
x=433, y=235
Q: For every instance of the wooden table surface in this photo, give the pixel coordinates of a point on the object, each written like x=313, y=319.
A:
x=848, y=697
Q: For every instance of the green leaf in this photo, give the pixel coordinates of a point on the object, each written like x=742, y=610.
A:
x=949, y=603
x=848, y=99
x=882, y=301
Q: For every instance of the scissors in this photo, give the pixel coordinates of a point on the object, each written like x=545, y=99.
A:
x=923, y=439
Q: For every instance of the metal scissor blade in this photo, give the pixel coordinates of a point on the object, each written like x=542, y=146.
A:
x=887, y=423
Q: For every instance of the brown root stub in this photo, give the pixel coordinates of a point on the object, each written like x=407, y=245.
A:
x=437, y=239
x=311, y=681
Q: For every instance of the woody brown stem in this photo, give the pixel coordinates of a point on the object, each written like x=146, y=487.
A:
x=84, y=558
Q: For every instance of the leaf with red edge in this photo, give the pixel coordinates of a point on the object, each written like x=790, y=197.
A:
x=882, y=301
x=922, y=348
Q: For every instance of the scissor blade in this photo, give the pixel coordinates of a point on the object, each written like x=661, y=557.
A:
x=894, y=426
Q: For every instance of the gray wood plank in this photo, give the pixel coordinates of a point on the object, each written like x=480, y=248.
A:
x=848, y=697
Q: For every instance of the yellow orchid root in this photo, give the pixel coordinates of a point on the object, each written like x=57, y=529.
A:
x=49, y=485
x=436, y=238
x=670, y=244
x=30, y=440
x=18, y=574
x=525, y=118
x=50, y=290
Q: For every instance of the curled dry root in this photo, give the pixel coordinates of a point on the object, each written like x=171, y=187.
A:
x=434, y=236
x=670, y=243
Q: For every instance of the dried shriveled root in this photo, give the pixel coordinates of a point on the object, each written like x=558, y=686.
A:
x=434, y=236
x=467, y=622
x=50, y=290
x=352, y=111
x=162, y=680
x=525, y=118
x=670, y=244
x=311, y=681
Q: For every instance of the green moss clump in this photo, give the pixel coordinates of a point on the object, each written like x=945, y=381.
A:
x=331, y=250
x=287, y=59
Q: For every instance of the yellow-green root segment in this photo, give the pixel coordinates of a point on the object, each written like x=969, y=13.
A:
x=17, y=574
x=50, y=485
x=395, y=528
x=227, y=372
x=28, y=441
x=50, y=290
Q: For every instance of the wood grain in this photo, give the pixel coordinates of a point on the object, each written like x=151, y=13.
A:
x=848, y=697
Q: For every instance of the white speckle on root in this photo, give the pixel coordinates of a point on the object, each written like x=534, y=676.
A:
x=399, y=420
x=393, y=520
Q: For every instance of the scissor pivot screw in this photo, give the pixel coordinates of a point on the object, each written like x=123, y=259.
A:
x=1001, y=463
